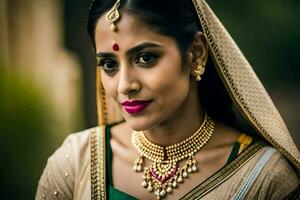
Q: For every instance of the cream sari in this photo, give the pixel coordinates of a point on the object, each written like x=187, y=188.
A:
x=77, y=170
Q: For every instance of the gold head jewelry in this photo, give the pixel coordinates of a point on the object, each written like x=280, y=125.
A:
x=199, y=71
x=164, y=174
x=112, y=16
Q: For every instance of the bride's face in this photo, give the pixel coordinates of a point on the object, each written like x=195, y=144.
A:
x=146, y=76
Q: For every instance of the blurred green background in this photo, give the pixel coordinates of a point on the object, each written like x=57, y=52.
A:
x=47, y=75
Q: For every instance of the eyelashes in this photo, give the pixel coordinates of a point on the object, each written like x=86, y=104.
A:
x=110, y=65
x=146, y=58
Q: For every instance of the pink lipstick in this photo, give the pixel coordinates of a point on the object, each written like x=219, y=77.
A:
x=134, y=107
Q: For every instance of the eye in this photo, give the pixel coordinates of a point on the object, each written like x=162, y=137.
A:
x=146, y=58
x=108, y=65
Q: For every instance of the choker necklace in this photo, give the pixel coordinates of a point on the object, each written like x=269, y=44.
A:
x=164, y=174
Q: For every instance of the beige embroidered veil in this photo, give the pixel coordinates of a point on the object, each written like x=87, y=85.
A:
x=246, y=91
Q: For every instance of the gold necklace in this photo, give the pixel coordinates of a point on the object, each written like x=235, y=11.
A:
x=164, y=174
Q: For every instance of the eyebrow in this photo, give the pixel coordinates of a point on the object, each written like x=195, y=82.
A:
x=131, y=51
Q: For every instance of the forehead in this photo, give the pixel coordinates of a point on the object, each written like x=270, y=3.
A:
x=131, y=32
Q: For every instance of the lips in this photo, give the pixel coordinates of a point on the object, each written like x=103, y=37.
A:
x=134, y=107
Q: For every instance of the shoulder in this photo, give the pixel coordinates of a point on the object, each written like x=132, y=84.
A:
x=280, y=168
x=58, y=179
x=75, y=147
x=278, y=178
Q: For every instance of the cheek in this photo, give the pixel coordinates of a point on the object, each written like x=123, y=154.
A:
x=169, y=82
x=173, y=91
x=168, y=74
x=109, y=85
x=170, y=93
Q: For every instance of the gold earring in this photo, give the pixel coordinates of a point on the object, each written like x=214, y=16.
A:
x=199, y=71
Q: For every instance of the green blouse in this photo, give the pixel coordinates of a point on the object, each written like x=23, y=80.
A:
x=114, y=193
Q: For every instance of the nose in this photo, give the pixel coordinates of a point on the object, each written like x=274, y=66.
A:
x=128, y=81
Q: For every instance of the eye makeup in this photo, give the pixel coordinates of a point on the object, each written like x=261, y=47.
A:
x=143, y=55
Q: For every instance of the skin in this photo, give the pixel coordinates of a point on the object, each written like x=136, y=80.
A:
x=156, y=72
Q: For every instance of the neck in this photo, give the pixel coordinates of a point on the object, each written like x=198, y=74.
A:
x=183, y=124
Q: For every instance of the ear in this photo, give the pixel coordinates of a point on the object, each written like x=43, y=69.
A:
x=198, y=54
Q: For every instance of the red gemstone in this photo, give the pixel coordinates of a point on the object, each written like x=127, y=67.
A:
x=116, y=47
x=167, y=176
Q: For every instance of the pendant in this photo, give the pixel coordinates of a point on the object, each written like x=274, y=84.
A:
x=163, y=177
x=163, y=171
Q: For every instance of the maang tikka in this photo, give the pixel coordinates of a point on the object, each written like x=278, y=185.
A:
x=112, y=16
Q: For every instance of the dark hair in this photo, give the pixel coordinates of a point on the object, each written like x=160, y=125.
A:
x=174, y=18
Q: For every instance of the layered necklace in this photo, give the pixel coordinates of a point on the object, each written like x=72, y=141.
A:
x=164, y=174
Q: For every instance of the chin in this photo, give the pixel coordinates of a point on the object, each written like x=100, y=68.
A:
x=137, y=125
x=140, y=124
x=143, y=122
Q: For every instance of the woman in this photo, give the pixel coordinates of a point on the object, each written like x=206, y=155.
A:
x=181, y=114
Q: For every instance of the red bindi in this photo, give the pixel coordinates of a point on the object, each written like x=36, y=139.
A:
x=116, y=47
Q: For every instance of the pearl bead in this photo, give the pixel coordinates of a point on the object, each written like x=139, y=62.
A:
x=169, y=190
x=174, y=184
x=150, y=188
x=157, y=192
x=134, y=168
x=144, y=184
x=194, y=168
x=113, y=27
x=180, y=179
x=189, y=170
x=139, y=168
x=162, y=193
x=184, y=174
